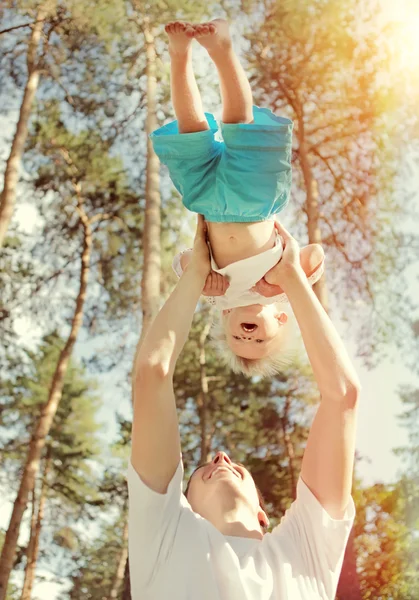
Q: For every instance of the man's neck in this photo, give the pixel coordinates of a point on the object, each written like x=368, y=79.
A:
x=238, y=523
x=238, y=529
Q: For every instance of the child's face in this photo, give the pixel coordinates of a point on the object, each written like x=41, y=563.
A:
x=254, y=331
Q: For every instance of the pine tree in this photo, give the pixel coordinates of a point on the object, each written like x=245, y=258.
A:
x=79, y=184
x=49, y=22
x=66, y=483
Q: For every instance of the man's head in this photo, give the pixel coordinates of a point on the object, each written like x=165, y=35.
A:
x=254, y=339
x=221, y=489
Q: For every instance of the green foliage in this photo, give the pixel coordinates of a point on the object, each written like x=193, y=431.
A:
x=96, y=563
x=387, y=521
x=79, y=166
x=72, y=444
x=386, y=544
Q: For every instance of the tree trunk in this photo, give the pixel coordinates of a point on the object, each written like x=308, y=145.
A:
x=349, y=587
x=33, y=548
x=289, y=448
x=312, y=208
x=11, y=174
x=202, y=399
x=150, y=284
x=77, y=584
x=43, y=426
x=126, y=592
x=122, y=563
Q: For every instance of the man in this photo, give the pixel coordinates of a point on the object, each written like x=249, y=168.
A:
x=212, y=545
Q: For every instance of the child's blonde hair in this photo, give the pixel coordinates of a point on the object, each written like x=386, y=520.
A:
x=264, y=367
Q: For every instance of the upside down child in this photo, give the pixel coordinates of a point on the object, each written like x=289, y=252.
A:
x=239, y=184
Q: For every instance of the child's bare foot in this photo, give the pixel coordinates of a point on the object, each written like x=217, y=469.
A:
x=311, y=257
x=180, y=35
x=214, y=35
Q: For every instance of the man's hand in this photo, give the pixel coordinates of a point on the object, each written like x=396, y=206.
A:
x=264, y=288
x=274, y=282
x=200, y=256
x=215, y=285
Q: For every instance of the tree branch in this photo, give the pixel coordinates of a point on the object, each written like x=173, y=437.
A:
x=339, y=246
x=21, y=26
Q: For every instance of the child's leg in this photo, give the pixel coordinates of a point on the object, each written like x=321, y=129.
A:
x=236, y=93
x=186, y=98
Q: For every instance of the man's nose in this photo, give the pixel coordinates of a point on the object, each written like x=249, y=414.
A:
x=248, y=327
x=221, y=457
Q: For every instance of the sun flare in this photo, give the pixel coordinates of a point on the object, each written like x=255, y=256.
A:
x=403, y=36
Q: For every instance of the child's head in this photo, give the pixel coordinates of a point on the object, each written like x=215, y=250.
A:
x=255, y=339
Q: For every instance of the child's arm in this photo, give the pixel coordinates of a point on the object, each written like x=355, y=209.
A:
x=215, y=285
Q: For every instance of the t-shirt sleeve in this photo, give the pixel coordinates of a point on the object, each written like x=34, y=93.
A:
x=315, y=540
x=153, y=520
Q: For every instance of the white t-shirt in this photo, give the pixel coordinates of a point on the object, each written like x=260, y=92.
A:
x=175, y=554
x=244, y=274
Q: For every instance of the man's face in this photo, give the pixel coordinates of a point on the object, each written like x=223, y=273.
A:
x=254, y=331
x=221, y=481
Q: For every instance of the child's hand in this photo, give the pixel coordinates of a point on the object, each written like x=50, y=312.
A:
x=200, y=256
x=215, y=285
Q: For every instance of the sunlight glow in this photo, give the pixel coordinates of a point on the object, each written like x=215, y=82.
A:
x=403, y=36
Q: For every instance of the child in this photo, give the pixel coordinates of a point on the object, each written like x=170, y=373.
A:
x=239, y=185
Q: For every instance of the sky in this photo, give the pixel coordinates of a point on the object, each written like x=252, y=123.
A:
x=378, y=428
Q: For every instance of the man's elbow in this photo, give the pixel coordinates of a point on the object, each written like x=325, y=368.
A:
x=150, y=368
x=352, y=393
x=346, y=394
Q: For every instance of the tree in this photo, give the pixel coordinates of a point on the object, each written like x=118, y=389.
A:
x=69, y=488
x=8, y=195
x=67, y=482
x=100, y=569
x=67, y=173
x=384, y=544
x=52, y=21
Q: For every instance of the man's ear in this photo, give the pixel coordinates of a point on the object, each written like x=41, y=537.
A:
x=262, y=518
x=282, y=318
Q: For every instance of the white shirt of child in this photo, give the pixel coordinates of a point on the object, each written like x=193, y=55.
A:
x=244, y=274
x=178, y=555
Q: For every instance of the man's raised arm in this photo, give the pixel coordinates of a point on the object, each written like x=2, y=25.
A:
x=329, y=456
x=155, y=431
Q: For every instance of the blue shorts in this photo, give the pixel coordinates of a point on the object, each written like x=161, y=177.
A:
x=244, y=178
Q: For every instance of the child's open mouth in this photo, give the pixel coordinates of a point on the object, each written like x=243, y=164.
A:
x=248, y=327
